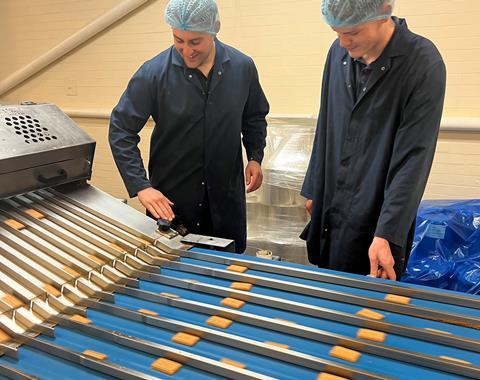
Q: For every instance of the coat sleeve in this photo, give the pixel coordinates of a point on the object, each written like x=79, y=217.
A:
x=254, y=125
x=412, y=155
x=316, y=163
x=127, y=120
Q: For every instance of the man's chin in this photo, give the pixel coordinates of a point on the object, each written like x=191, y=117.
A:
x=354, y=54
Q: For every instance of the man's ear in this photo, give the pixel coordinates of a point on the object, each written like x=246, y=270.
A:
x=217, y=26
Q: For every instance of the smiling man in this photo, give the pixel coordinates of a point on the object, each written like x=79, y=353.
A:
x=205, y=99
x=382, y=99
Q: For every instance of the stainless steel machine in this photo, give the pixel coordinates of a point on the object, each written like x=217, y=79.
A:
x=90, y=289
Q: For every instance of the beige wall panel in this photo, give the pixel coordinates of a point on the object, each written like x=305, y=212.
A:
x=287, y=40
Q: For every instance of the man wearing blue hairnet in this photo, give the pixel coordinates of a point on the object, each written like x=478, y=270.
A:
x=382, y=99
x=205, y=98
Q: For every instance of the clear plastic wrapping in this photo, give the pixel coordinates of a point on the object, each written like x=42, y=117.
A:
x=276, y=212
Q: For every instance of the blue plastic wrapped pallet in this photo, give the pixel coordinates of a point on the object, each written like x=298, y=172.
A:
x=446, y=247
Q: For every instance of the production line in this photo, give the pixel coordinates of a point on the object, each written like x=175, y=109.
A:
x=89, y=288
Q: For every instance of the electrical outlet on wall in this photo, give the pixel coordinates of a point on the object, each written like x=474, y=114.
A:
x=71, y=87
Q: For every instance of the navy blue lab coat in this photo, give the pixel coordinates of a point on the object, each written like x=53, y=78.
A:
x=195, y=146
x=372, y=157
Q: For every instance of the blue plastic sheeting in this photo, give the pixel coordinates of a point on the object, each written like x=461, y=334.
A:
x=446, y=247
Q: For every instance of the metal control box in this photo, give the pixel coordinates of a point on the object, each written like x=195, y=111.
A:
x=41, y=147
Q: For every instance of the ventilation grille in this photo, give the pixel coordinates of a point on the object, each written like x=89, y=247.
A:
x=29, y=128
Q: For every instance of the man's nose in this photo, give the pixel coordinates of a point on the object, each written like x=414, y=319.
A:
x=344, y=41
x=187, y=51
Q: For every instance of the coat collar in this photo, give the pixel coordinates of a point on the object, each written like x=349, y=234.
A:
x=221, y=58
x=396, y=48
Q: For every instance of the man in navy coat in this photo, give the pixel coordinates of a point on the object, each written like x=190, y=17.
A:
x=381, y=105
x=205, y=99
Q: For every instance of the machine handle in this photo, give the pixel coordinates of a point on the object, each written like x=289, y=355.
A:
x=52, y=180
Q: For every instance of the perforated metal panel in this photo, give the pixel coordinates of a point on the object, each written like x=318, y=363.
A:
x=41, y=147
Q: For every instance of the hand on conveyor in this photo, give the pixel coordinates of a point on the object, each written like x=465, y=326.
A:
x=157, y=203
x=253, y=176
x=381, y=259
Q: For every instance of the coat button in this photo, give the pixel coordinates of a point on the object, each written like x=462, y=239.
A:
x=199, y=205
x=344, y=63
x=383, y=68
x=203, y=183
x=198, y=224
x=364, y=89
x=190, y=76
x=219, y=73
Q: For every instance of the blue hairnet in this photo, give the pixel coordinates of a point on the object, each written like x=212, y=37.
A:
x=348, y=13
x=193, y=15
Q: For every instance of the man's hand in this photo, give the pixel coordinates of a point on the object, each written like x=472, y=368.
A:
x=253, y=176
x=309, y=206
x=157, y=203
x=381, y=259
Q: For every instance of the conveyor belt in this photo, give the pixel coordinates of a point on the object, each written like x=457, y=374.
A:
x=75, y=281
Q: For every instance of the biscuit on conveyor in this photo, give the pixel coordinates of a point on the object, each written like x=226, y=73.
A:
x=14, y=224
x=185, y=339
x=376, y=336
x=232, y=302
x=220, y=322
x=166, y=366
x=148, y=312
x=245, y=286
x=34, y=213
x=397, y=299
x=367, y=313
x=237, y=268
x=95, y=355
x=80, y=319
x=345, y=354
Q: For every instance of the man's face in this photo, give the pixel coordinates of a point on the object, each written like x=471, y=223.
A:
x=194, y=47
x=360, y=40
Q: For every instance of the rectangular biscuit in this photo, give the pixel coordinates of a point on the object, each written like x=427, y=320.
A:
x=220, y=322
x=397, y=299
x=345, y=354
x=232, y=302
x=14, y=224
x=237, y=268
x=148, y=312
x=166, y=366
x=367, y=313
x=95, y=355
x=185, y=339
x=80, y=319
x=376, y=336
x=245, y=286
x=34, y=213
